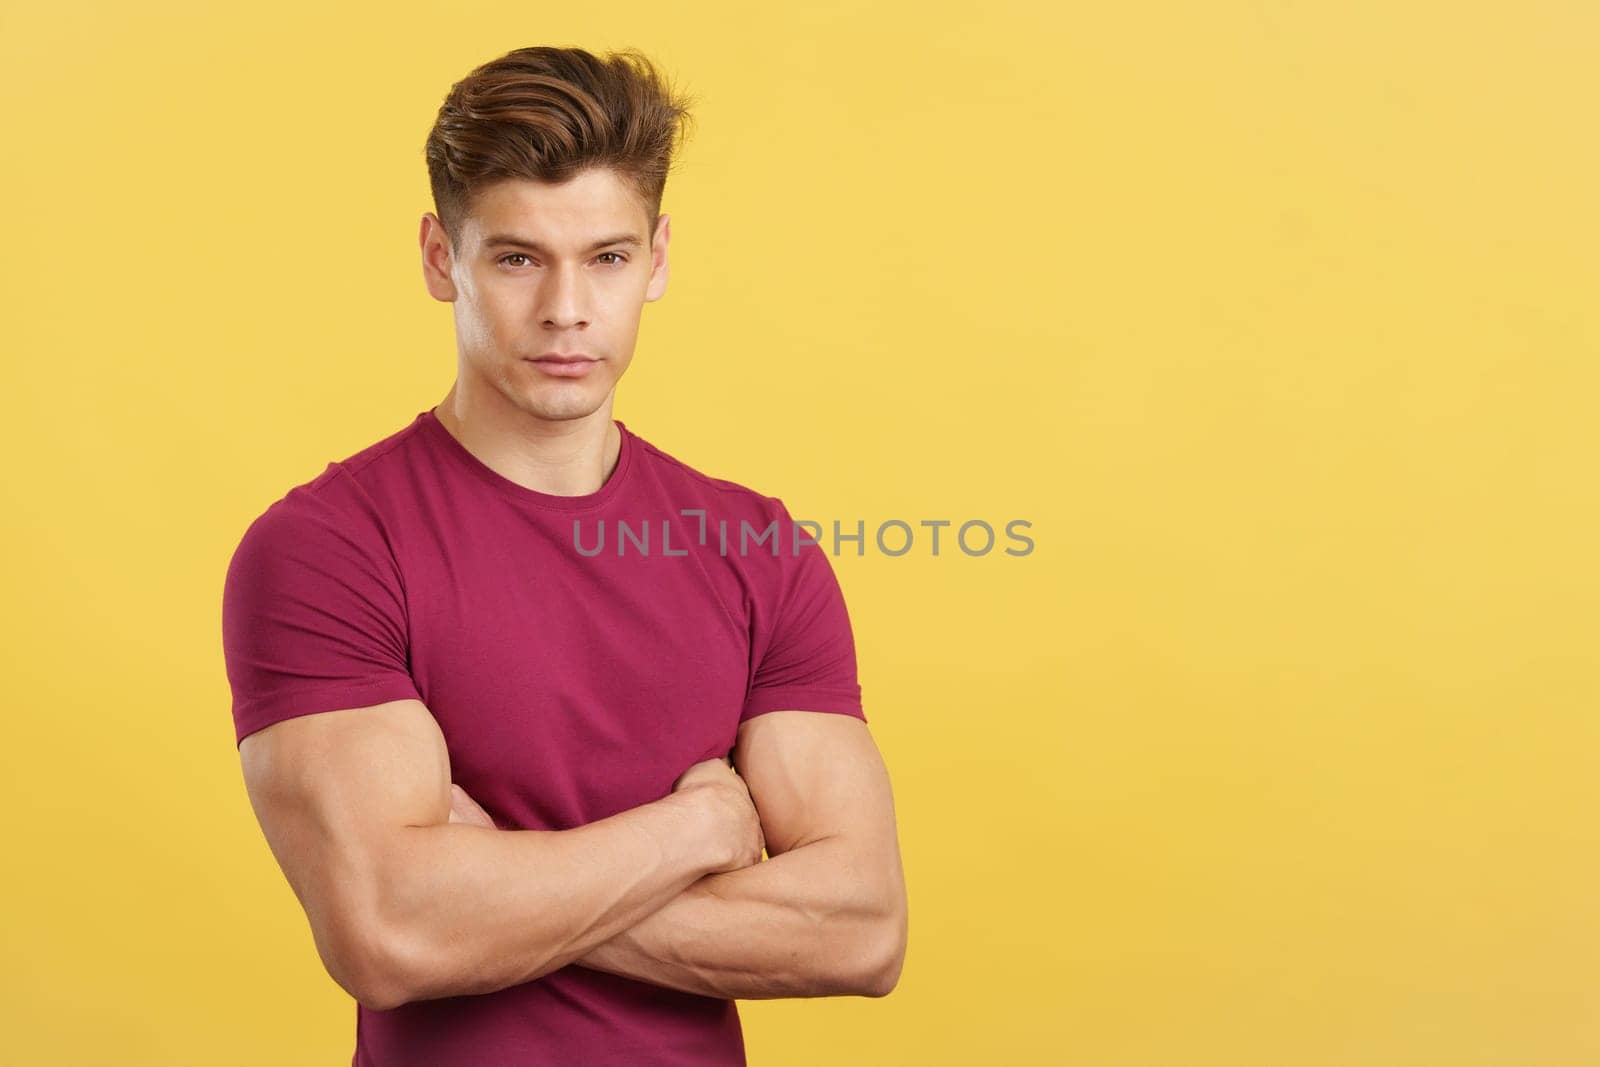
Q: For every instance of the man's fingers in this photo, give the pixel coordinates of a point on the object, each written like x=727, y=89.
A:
x=464, y=809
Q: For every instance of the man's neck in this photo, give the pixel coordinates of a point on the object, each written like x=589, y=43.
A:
x=562, y=457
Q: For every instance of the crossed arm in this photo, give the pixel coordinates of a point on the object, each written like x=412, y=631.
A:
x=354, y=804
x=825, y=915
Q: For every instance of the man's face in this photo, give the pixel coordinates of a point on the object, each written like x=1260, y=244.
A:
x=546, y=269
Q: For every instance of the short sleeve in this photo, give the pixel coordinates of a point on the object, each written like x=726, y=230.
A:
x=313, y=612
x=805, y=651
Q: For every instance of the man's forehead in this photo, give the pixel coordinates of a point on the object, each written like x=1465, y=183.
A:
x=589, y=209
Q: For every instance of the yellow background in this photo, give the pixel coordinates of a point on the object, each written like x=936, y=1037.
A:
x=1277, y=321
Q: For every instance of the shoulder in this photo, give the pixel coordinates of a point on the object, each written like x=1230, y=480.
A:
x=745, y=528
x=718, y=496
x=339, y=506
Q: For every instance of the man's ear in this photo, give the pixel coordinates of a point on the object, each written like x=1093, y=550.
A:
x=436, y=258
x=658, y=259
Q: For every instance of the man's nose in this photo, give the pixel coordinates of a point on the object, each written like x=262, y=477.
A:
x=564, y=298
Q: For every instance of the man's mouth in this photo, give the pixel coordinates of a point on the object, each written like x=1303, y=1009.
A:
x=558, y=366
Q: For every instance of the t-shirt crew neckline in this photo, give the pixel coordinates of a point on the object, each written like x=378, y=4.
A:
x=445, y=440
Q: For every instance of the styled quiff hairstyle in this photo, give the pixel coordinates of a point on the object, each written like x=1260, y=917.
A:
x=549, y=113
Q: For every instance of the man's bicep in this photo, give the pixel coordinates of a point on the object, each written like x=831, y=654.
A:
x=334, y=792
x=814, y=775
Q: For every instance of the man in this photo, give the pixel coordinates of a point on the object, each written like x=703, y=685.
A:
x=522, y=785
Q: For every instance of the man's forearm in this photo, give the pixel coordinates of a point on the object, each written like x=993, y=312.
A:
x=805, y=923
x=472, y=910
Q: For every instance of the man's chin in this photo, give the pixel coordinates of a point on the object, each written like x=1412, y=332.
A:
x=561, y=405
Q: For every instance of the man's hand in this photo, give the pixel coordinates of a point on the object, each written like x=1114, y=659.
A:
x=464, y=809
x=732, y=811
x=825, y=915
x=713, y=781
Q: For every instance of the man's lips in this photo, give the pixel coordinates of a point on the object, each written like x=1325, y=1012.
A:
x=563, y=366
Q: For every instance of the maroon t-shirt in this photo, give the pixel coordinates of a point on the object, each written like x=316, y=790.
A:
x=578, y=652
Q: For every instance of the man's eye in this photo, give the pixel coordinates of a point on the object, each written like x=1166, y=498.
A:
x=619, y=257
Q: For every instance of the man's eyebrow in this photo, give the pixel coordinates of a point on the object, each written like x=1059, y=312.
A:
x=499, y=239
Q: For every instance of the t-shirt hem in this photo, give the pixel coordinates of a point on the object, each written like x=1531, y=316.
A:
x=259, y=714
x=800, y=698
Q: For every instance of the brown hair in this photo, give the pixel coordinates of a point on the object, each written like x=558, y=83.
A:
x=549, y=113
